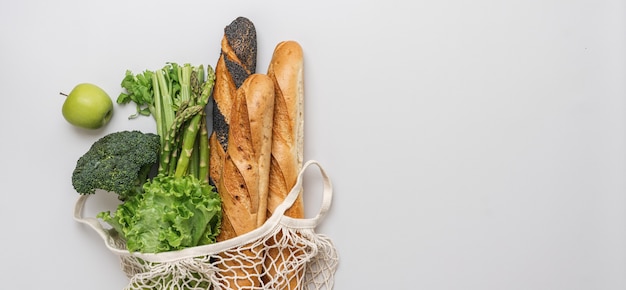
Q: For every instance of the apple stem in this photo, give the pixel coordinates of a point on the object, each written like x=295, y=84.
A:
x=63, y=94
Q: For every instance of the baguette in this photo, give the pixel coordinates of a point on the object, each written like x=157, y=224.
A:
x=236, y=62
x=243, y=184
x=286, y=71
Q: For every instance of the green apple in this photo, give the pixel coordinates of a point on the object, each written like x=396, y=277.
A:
x=88, y=106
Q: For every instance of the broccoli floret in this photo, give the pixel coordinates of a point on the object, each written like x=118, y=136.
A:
x=119, y=162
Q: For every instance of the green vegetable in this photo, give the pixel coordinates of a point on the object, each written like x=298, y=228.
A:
x=178, y=207
x=171, y=214
x=176, y=97
x=119, y=162
x=139, y=91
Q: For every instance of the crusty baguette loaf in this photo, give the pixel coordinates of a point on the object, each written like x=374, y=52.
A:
x=236, y=62
x=286, y=71
x=243, y=184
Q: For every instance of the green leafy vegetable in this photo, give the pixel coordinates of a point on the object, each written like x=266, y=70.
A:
x=171, y=214
x=139, y=91
x=178, y=207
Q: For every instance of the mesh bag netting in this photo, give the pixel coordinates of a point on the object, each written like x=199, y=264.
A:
x=284, y=253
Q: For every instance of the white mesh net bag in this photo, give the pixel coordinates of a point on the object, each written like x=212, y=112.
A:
x=284, y=253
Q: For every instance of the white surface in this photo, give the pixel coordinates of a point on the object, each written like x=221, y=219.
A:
x=472, y=144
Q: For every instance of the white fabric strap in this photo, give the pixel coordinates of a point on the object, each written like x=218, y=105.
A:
x=327, y=195
x=95, y=224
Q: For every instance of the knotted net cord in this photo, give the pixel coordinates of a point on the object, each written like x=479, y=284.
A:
x=244, y=267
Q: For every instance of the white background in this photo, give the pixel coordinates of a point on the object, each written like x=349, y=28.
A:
x=471, y=144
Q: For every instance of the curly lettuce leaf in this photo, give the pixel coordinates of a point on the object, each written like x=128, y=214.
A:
x=173, y=213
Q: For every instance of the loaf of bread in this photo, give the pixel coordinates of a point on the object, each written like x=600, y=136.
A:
x=286, y=71
x=257, y=151
x=243, y=184
x=237, y=165
x=236, y=62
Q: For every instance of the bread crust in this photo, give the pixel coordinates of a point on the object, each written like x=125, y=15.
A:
x=243, y=184
x=286, y=69
x=236, y=62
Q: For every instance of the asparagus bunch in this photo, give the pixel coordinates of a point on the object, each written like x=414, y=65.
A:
x=176, y=96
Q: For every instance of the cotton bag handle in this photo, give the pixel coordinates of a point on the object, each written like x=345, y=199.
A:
x=277, y=217
x=293, y=195
x=95, y=224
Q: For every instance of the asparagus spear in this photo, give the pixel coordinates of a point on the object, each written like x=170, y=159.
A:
x=191, y=131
